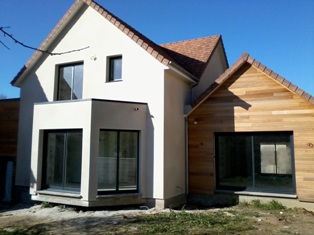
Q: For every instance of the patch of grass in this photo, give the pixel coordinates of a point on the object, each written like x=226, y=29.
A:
x=191, y=223
x=45, y=205
x=65, y=208
x=271, y=205
x=34, y=230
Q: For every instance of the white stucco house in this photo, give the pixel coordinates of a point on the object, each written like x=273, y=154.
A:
x=106, y=125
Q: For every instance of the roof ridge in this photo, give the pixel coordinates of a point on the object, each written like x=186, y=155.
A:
x=147, y=44
x=189, y=40
x=194, y=54
x=155, y=50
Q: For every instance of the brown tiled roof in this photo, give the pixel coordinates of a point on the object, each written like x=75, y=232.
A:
x=245, y=58
x=193, y=55
x=163, y=54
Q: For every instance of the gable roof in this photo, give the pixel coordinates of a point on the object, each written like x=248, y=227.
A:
x=167, y=55
x=194, y=54
x=245, y=58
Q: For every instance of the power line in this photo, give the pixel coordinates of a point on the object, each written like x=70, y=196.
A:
x=34, y=48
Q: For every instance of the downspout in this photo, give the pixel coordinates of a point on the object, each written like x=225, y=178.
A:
x=186, y=155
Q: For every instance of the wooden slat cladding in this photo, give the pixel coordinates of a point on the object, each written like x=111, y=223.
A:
x=9, y=116
x=251, y=101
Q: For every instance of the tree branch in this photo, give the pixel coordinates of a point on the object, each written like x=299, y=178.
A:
x=34, y=48
x=4, y=45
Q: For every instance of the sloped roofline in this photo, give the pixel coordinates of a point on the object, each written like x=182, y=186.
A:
x=246, y=58
x=144, y=42
x=217, y=40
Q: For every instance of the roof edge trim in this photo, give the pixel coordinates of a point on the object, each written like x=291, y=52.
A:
x=246, y=58
x=75, y=7
x=178, y=69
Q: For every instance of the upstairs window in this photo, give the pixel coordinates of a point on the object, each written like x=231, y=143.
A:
x=70, y=82
x=115, y=68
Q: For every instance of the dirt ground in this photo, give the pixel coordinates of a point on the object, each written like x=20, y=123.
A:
x=23, y=219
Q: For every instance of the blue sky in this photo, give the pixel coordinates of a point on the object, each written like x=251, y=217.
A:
x=278, y=33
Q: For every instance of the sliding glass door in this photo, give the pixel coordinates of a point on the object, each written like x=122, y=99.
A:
x=118, y=161
x=62, y=160
x=255, y=161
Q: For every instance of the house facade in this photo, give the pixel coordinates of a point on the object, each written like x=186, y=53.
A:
x=108, y=117
x=252, y=133
x=103, y=121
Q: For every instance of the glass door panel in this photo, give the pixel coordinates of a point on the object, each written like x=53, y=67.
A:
x=255, y=161
x=63, y=160
x=73, y=161
x=107, y=161
x=55, y=163
x=128, y=160
x=235, y=161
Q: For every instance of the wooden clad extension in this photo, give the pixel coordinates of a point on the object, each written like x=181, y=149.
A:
x=9, y=116
x=250, y=100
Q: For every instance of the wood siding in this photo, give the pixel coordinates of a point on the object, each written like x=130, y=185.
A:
x=250, y=101
x=9, y=116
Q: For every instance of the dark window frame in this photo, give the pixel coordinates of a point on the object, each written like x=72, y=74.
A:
x=117, y=190
x=250, y=134
x=110, y=68
x=44, y=185
x=61, y=66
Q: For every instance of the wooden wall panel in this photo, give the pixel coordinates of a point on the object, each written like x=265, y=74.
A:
x=251, y=101
x=9, y=116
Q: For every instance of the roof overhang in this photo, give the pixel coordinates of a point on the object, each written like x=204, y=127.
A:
x=77, y=6
x=182, y=72
x=246, y=58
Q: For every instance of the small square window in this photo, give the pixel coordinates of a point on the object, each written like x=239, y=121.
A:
x=115, y=68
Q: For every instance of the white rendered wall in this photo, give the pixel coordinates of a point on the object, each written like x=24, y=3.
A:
x=177, y=93
x=216, y=66
x=142, y=82
x=91, y=116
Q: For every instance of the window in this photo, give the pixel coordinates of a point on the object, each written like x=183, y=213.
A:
x=118, y=161
x=62, y=160
x=115, y=68
x=70, y=82
x=255, y=161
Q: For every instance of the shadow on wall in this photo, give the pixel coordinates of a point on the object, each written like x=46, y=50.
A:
x=216, y=114
x=31, y=92
x=149, y=158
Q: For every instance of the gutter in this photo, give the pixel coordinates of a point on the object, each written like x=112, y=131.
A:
x=178, y=69
x=186, y=155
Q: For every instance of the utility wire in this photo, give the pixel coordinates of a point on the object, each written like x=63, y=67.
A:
x=34, y=48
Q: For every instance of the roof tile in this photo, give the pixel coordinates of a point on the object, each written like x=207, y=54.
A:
x=280, y=79
x=250, y=60
x=245, y=58
x=292, y=87
x=286, y=83
x=267, y=71
x=261, y=67
x=274, y=75
x=299, y=91
x=256, y=63
x=311, y=100
x=193, y=54
x=306, y=96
